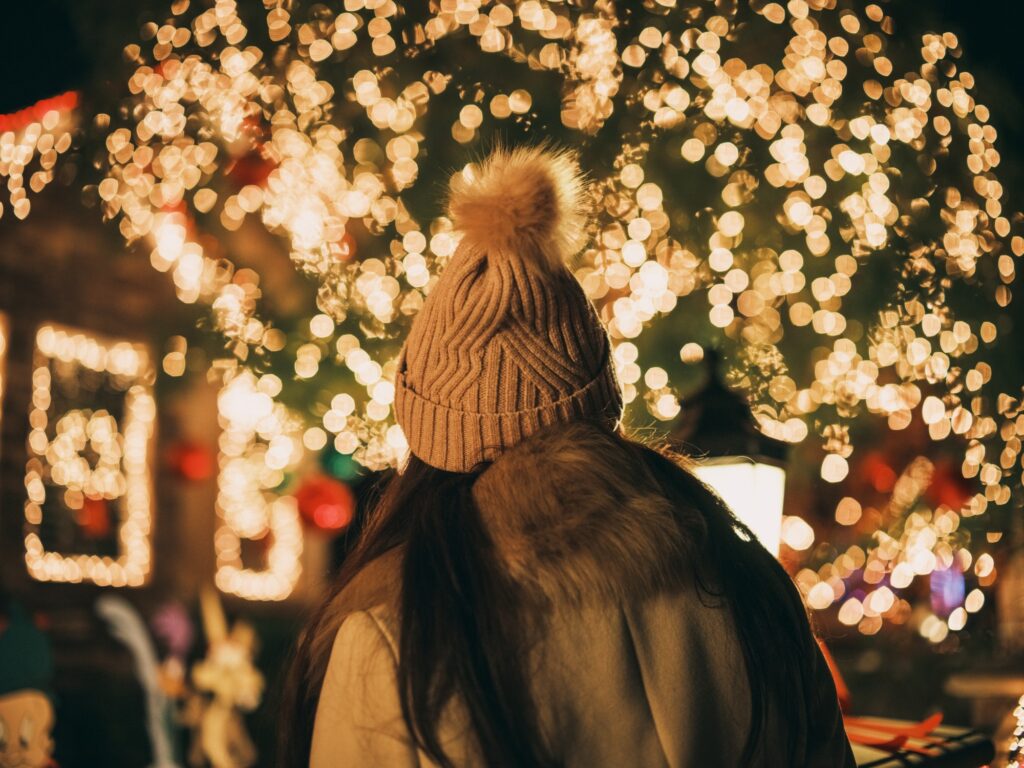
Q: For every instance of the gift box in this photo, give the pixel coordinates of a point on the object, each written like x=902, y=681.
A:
x=883, y=743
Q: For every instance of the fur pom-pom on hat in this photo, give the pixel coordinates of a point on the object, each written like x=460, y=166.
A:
x=525, y=202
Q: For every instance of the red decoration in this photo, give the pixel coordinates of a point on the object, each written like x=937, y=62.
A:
x=325, y=502
x=15, y=121
x=94, y=518
x=192, y=461
x=878, y=472
x=251, y=168
x=948, y=486
x=347, y=244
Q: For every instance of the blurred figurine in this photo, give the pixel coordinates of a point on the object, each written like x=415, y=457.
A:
x=26, y=718
x=172, y=626
x=26, y=712
x=234, y=684
x=128, y=627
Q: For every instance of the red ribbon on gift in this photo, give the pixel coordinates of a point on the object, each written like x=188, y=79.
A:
x=891, y=737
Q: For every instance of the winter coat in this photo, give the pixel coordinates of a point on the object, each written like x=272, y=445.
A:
x=634, y=667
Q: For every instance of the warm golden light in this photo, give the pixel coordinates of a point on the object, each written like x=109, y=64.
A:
x=765, y=158
x=259, y=442
x=753, y=491
x=31, y=141
x=87, y=455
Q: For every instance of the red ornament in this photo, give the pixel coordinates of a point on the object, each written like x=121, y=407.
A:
x=251, y=168
x=948, y=486
x=878, y=472
x=326, y=503
x=192, y=461
x=94, y=518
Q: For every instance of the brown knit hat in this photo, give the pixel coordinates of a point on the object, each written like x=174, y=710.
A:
x=506, y=342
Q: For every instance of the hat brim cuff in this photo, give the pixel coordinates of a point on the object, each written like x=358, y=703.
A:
x=459, y=441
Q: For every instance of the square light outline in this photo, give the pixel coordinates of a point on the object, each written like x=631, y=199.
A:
x=133, y=566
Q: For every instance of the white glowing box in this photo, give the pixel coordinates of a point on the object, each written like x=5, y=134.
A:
x=91, y=453
x=754, y=491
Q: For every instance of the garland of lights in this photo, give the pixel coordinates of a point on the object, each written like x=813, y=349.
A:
x=781, y=181
x=257, y=446
x=1016, y=751
x=90, y=456
x=34, y=137
x=323, y=183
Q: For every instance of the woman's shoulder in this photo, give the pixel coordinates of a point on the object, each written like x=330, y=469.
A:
x=374, y=593
x=359, y=716
x=366, y=611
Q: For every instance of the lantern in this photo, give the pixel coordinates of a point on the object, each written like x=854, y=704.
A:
x=745, y=467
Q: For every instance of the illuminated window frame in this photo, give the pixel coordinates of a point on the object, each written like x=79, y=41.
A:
x=132, y=566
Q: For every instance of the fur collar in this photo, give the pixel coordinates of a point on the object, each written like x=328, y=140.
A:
x=575, y=514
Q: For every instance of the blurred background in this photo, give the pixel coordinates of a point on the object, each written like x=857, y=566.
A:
x=180, y=479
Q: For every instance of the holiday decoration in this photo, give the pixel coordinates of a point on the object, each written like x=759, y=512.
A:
x=836, y=156
x=192, y=461
x=231, y=684
x=26, y=718
x=883, y=743
x=325, y=502
x=34, y=137
x=828, y=196
x=26, y=679
x=128, y=627
x=873, y=581
x=1016, y=752
x=88, y=478
x=260, y=442
x=745, y=467
x=792, y=184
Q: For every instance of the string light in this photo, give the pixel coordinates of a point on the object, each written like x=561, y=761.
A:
x=260, y=441
x=809, y=165
x=870, y=584
x=87, y=454
x=1016, y=753
x=765, y=159
x=34, y=137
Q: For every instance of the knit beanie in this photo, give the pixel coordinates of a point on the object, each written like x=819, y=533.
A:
x=506, y=342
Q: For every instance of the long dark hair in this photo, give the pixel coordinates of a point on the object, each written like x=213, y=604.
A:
x=464, y=629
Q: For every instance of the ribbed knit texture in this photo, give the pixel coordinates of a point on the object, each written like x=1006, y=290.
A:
x=506, y=342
